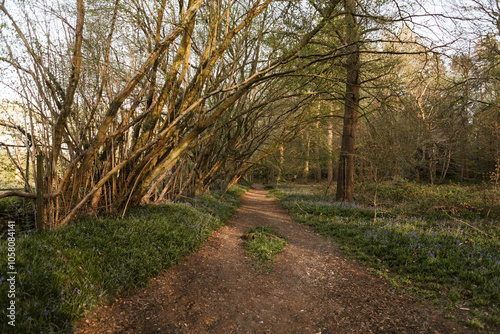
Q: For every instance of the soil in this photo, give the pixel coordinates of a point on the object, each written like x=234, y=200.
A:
x=312, y=288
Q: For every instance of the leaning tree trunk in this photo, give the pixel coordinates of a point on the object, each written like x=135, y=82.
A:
x=345, y=181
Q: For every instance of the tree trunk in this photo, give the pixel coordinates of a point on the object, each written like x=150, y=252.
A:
x=282, y=164
x=306, y=166
x=345, y=181
x=432, y=164
x=331, y=147
x=318, y=155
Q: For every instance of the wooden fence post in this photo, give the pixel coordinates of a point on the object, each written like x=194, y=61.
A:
x=39, y=193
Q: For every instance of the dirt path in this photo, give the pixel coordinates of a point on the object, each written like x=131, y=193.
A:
x=313, y=288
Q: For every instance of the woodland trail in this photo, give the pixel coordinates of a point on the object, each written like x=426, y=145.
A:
x=313, y=288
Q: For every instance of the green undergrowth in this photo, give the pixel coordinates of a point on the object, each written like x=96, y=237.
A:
x=263, y=245
x=473, y=201
x=20, y=210
x=450, y=259
x=62, y=273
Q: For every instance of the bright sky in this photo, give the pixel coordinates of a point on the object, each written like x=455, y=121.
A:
x=439, y=28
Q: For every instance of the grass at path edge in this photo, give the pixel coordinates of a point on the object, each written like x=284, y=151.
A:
x=432, y=256
x=64, y=272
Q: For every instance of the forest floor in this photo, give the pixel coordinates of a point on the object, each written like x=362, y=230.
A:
x=312, y=288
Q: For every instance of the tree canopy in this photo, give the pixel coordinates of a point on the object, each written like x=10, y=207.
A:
x=148, y=100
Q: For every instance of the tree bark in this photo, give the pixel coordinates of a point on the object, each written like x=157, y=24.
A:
x=282, y=163
x=345, y=181
x=330, y=153
x=318, y=156
x=306, y=165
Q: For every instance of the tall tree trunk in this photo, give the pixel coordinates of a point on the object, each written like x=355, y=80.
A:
x=306, y=166
x=282, y=163
x=445, y=167
x=331, y=146
x=345, y=181
x=318, y=155
x=432, y=164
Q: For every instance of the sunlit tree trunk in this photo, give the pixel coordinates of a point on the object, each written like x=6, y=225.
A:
x=331, y=147
x=306, y=165
x=282, y=163
x=330, y=159
x=318, y=155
